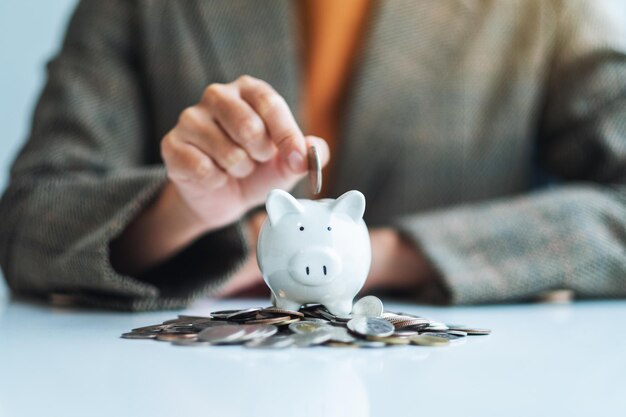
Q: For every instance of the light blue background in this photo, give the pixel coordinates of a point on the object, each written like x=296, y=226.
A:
x=30, y=33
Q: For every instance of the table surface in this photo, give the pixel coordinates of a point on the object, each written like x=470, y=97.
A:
x=541, y=359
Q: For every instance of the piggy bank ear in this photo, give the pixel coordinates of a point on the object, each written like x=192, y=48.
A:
x=351, y=203
x=279, y=203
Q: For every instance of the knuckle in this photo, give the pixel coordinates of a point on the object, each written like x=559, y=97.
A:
x=268, y=101
x=213, y=93
x=200, y=168
x=166, y=147
x=246, y=79
x=189, y=116
x=250, y=129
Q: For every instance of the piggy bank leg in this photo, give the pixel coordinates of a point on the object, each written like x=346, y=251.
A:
x=341, y=309
x=285, y=304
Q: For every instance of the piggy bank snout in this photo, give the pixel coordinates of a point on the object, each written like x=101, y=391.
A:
x=315, y=266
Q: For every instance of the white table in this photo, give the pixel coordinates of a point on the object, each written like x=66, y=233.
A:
x=541, y=360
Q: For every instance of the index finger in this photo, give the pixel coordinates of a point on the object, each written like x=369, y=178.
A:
x=279, y=121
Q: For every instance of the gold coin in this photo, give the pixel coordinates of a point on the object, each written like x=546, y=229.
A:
x=269, y=320
x=391, y=340
x=428, y=341
x=170, y=337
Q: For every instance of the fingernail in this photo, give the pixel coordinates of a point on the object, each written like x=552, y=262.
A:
x=296, y=161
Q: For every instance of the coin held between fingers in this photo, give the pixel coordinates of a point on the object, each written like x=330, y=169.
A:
x=315, y=170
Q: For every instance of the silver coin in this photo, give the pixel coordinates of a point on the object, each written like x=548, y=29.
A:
x=404, y=333
x=457, y=333
x=314, y=320
x=443, y=335
x=274, y=342
x=368, y=306
x=222, y=334
x=312, y=338
x=257, y=331
x=243, y=314
x=369, y=344
x=150, y=329
x=315, y=170
x=302, y=327
x=471, y=331
x=187, y=342
x=435, y=325
x=323, y=312
x=371, y=326
x=134, y=335
x=340, y=334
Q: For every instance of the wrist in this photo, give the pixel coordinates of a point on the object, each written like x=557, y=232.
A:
x=171, y=205
x=396, y=262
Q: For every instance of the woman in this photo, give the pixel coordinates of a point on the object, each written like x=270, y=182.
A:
x=164, y=125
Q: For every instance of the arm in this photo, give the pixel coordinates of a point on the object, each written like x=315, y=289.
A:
x=83, y=177
x=571, y=236
x=86, y=216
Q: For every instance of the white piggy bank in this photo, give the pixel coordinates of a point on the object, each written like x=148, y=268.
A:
x=314, y=251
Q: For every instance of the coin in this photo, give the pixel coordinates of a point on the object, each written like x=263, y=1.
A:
x=170, y=337
x=428, y=341
x=390, y=340
x=371, y=326
x=340, y=344
x=404, y=333
x=204, y=324
x=190, y=342
x=274, y=342
x=315, y=170
x=302, y=327
x=312, y=338
x=133, y=335
x=403, y=322
x=448, y=336
x=312, y=325
x=221, y=334
x=368, y=306
x=243, y=314
x=156, y=327
x=257, y=331
x=269, y=320
x=471, y=331
x=281, y=312
x=369, y=344
x=340, y=334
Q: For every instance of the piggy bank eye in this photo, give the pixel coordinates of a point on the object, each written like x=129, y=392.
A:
x=301, y=228
x=329, y=228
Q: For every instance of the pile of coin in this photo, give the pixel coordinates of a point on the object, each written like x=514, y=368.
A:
x=369, y=326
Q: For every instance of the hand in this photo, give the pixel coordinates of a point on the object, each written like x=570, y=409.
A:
x=228, y=151
x=223, y=157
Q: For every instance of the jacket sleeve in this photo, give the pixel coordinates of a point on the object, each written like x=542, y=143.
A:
x=84, y=174
x=569, y=236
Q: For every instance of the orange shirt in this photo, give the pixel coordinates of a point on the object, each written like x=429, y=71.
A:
x=332, y=30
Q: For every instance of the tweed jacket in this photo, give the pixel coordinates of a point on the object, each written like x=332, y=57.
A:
x=491, y=133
